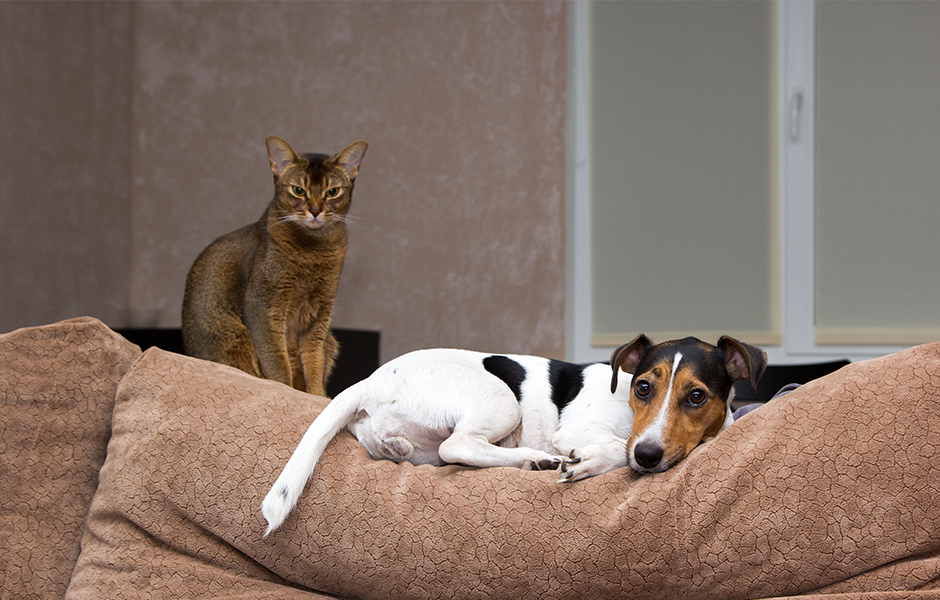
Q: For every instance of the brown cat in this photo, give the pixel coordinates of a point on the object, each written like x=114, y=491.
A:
x=261, y=298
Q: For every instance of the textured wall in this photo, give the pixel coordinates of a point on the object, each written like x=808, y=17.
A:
x=65, y=170
x=457, y=234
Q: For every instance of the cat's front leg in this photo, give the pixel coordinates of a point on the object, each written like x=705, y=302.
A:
x=270, y=340
x=318, y=350
x=274, y=360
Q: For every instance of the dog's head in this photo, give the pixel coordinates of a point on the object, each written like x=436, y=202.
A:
x=680, y=394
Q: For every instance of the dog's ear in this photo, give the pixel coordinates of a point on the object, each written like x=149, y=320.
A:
x=743, y=361
x=627, y=357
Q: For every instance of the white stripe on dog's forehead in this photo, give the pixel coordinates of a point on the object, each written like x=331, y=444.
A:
x=658, y=427
x=672, y=376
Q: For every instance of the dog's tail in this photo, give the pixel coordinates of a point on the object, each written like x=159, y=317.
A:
x=285, y=492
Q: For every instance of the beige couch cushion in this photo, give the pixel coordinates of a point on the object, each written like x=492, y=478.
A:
x=834, y=488
x=175, y=514
x=57, y=386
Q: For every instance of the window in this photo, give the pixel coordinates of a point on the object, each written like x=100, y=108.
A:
x=711, y=193
x=877, y=157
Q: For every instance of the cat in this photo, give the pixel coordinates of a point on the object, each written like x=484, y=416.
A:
x=261, y=298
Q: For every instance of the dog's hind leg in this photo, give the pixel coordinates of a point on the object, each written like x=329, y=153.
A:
x=476, y=451
x=477, y=432
x=287, y=488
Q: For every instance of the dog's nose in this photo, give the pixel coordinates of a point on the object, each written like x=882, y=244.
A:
x=648, y=454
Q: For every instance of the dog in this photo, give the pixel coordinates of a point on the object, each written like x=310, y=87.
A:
x=647, y=409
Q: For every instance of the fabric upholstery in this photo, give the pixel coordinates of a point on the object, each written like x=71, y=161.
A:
x=57, y=387
x=175, y=514
x=833, y=489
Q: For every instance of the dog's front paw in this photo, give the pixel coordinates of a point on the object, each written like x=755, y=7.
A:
x=544, y=464
x=550, y=463
x=565, y=473
x=589, y=463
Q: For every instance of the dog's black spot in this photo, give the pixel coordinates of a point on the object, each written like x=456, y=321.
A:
x=284, y=492
x=511, y=372
x=566, y=380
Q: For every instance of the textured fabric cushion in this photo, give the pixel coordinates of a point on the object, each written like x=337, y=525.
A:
x=832, y=489
x=175, y=514
x=57, y=386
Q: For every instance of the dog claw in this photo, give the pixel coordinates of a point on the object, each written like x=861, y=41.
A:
x=572, y=459
x=563, y=473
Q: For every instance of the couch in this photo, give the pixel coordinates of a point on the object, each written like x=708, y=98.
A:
x=140, y=475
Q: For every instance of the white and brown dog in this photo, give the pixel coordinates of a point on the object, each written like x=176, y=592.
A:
x=648, y=409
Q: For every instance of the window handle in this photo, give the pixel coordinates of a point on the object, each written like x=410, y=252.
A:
x=796, y=107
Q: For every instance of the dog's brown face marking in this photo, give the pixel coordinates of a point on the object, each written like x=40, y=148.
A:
x=679, y=394
x=674, y=409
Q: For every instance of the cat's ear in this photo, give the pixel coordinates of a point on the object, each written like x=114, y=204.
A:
x=280, y=154
x=348, y=160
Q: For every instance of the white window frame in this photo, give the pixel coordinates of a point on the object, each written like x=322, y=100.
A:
x=796, y=55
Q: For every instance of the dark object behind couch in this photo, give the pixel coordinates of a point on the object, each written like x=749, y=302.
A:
x=358, y=355
x=777, y=376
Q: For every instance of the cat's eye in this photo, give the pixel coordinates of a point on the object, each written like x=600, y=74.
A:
x=298, y=191
x=332, y=192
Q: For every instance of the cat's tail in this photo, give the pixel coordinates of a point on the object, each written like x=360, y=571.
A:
x=285, y=492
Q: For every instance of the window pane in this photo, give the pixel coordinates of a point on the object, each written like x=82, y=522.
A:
x=877, y=172
x=684, y=169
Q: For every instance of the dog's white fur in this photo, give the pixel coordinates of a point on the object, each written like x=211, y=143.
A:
x=442, y=406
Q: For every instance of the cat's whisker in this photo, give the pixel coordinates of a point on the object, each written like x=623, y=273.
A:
x=281, y=218
x=347, y=219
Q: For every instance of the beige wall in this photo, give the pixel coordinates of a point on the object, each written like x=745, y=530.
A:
x=65, y=169
x=457, y=234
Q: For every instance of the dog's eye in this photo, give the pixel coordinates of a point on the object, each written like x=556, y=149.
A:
x=642, y=388
x=697, y=397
